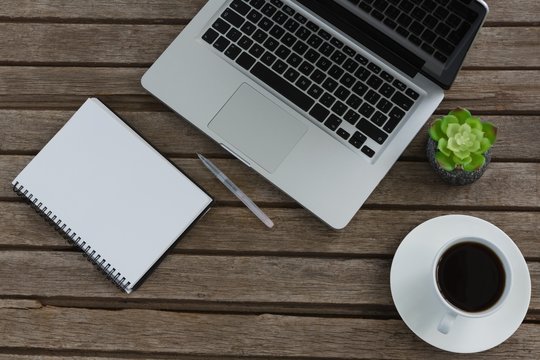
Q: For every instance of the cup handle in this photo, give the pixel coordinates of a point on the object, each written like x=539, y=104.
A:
x=446, y=322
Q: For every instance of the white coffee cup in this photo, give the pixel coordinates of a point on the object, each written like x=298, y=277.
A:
x=452, y=312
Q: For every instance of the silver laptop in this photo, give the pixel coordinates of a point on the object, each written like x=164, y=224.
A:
x=318, y=96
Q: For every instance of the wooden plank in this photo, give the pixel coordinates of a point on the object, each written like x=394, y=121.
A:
x=27, y=131
x=30, y=87
x=233, y=335
x=502, y=47
x=412, y=184
x=296, y=231
x=502, y=11
x=223, y=279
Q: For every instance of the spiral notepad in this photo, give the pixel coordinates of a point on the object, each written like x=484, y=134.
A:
x=111, y=194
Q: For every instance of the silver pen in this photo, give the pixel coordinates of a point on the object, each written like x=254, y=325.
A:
x=236, y=191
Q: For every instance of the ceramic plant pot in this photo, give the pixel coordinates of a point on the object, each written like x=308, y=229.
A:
x=457, y=176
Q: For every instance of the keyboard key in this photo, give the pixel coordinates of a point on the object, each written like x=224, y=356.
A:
x=260, y=36
x=271, y=44
x=282, y=52
x=268, y=10
x=306, y=68
x=373, y=67
x=327, y=100
x=442, y=29
x=402, y=31
x=463, y=11
x=290, y=11
x=377, y=15
x=315, y=41
x=336, y=72
x=372, y=131
x=294, y=60
x=277, y=31
x=323, y=63
x=372, y=97
x=357, y=140
x=300, y=18
x=234, y=35
x=266, y=24
x=304, y=83
x=387, y=90
x=354, y=101
x=412, y=94
x=326, y=49
x=387, y=77
x=362, y=73
x=343, y=133
x=318, y=76
x=254, y=16
x=291, y=25
x=280, y=85
x=351, y=117
x=333, y=122
x=379, y=118
x=268, y=58
x=319, y=112
x=312, y=56
x=440, y=57
x=221, y=26
x=280, y=18
x=384, y=105
x=240, y=6
x=288, y=39
x=279, y=67
x=347, y=80
x=210, y=36
x=374, y=82
x=233, y=51
x=441, y=13
x=337, y=43
x=404, y=20
x=368, y=151
x=300, y=47
x=246, y=61
x=324, y=34
x=330, y=84
x=248, y=28
x=257, y=3
x=349, y=51
x=232, y=17
x=221, y=43
x=350, y=65
x=366, y=110
x=245, y=42
x=359, y=88
x=361, y=59
x=315, y=91
x=402, y=101
x=312, y=26
x=256, y=50
x=401, y=86
x=338, y=57
x=303, y=33
x=342, y=93
x=427, y=48
x=395, y=117
x=291, y=74
x=277, y=3
x=428, y=36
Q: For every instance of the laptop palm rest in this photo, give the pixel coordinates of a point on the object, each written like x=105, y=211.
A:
x=258, y=128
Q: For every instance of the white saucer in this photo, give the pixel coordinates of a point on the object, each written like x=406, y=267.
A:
x=416, y=302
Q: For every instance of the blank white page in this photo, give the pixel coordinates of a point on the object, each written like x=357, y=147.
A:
x=114, y=190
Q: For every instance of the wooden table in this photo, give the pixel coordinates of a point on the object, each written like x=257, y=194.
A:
x=233, y=288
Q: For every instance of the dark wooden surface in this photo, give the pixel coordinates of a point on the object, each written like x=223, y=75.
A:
x=232, y=288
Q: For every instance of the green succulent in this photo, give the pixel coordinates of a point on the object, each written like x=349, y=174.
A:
x=462, y=140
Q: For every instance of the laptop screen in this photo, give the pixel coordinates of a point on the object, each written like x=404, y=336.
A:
x=428, y=36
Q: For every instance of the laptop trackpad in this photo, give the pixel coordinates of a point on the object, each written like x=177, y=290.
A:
x=258, y=127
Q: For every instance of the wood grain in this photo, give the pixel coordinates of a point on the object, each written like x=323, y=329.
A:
x=124, y=44
x=305, y=235
x=224, y=279
x=233, y=335
x=412, y=184
x=27, y=131
x=502, y=11
x=489, y=90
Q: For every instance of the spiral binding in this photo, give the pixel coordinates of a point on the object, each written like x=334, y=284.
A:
x=101, y=264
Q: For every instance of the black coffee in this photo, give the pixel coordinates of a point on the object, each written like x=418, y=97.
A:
x=471, y=276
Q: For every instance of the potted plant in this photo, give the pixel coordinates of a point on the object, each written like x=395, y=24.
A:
x=459, y=146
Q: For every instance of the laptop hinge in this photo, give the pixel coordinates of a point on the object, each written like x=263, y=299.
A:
x=367, y=35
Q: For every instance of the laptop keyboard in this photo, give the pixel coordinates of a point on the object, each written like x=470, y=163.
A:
x=337, y=86
x=435, y=26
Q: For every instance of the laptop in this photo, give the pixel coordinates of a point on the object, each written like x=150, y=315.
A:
x=320, y=97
